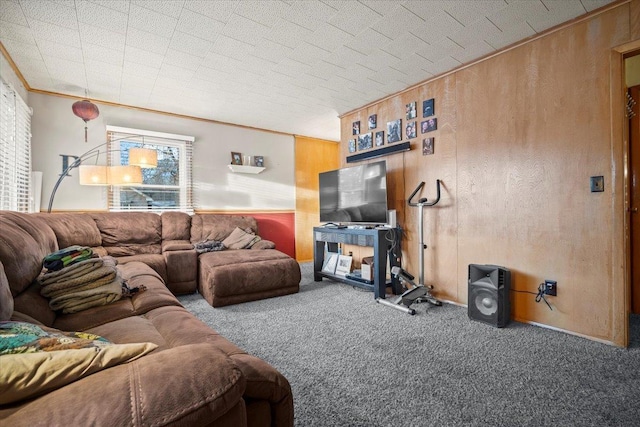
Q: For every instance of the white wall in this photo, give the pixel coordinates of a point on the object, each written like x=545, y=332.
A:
x=56, y=130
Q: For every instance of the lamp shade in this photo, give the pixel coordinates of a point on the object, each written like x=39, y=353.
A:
x=93, y=175
x=125, y=175
x=143, y=157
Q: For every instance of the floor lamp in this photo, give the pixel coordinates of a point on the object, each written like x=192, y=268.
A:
x=121, y=175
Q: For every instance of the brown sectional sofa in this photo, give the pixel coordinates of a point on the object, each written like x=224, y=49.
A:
x=194, y=376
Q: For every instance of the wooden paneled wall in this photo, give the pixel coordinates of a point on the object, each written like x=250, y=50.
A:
x=519, y=136
x=312, y=156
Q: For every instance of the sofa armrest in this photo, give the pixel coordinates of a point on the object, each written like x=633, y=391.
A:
x=182, y=269
x=264, y=244
x=264, y=383
x=176, y=245
x=157, y=389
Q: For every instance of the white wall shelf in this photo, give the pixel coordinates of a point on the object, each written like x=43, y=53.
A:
x=245, y=169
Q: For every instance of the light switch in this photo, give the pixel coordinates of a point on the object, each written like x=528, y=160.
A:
x=597, y=184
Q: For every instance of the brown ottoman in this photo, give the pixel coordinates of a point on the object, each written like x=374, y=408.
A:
x=235, y=276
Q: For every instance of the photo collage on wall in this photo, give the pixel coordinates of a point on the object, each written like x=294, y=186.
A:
x=376, y=138
x=428, y=125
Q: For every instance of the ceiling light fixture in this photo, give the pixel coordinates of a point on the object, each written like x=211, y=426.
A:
x=86, y=110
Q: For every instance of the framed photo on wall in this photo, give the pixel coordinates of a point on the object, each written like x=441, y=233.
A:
x=411, y=130
x=427, y=108
x=373, y=121
x=428, y=125
x=394, y=131
x=258, y=161
x=364, y=141
x=411, y=110
x=356, y=128
x=352, y=145
x=427, y=146
x=379, y=138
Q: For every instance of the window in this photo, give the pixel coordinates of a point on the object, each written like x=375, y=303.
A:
x=165, y=187
x=15, y=151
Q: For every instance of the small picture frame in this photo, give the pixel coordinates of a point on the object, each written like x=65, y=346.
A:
x=373, y=121
x=394, y=131
x=356, y=128
x=352, y=145
x=236, y=158
x=365, y=141
x=411, y=111
x=379, y=138
x=411, y=130
x=330, y=263
x=344, y=265
x=428, y=125
x=258, y=161
x=428, y=108
x=427, y=146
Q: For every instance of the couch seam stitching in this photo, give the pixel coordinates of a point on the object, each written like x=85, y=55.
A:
x=215, y=394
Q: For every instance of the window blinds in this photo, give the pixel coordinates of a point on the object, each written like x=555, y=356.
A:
x=15, y=151
x=168, y=187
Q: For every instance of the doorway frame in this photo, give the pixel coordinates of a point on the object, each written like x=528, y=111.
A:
x=621, y=186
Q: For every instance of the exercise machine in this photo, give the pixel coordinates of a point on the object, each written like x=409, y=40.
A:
x=415, y=293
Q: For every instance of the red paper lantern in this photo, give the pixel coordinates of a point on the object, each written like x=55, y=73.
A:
x=86, y=110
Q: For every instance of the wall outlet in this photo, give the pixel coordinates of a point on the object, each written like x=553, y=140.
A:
x=551, y=287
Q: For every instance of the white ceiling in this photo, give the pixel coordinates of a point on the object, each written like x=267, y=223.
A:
x=289, y=66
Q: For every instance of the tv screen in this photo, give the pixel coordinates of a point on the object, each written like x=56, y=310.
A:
x=356, y=194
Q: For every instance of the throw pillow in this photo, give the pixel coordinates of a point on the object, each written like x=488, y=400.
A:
x=35, y=361
x=240, y=239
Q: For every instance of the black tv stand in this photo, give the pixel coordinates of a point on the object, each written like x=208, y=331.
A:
x=378, y=238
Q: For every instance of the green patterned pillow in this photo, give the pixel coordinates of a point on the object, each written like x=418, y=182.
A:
x=36, y=360
x=23, y=337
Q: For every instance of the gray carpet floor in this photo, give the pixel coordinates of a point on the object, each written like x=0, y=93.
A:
x=353, y=362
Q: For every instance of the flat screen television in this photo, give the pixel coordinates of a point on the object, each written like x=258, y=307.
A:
x=354, y=195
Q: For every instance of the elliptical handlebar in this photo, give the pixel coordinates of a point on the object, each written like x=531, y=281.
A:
x=423, y=201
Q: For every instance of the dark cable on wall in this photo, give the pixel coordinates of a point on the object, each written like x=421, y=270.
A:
x=539, y=295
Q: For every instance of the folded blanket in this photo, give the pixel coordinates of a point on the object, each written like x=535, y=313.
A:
x=58, y=260
x=209, y=246
x=85, y=275
x=73, y=271
x=95, y=279
x=81, y=300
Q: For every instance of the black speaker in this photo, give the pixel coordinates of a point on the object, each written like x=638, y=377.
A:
x=488, y=300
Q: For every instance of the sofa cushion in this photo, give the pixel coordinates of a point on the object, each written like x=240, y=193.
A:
x=28, y=375
x=155, y=261
x=218, y=227
x=121, y=238
x=240, y=239
x=24, y=242
x=136, y=274
x=73, y=229
x=176, y=226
